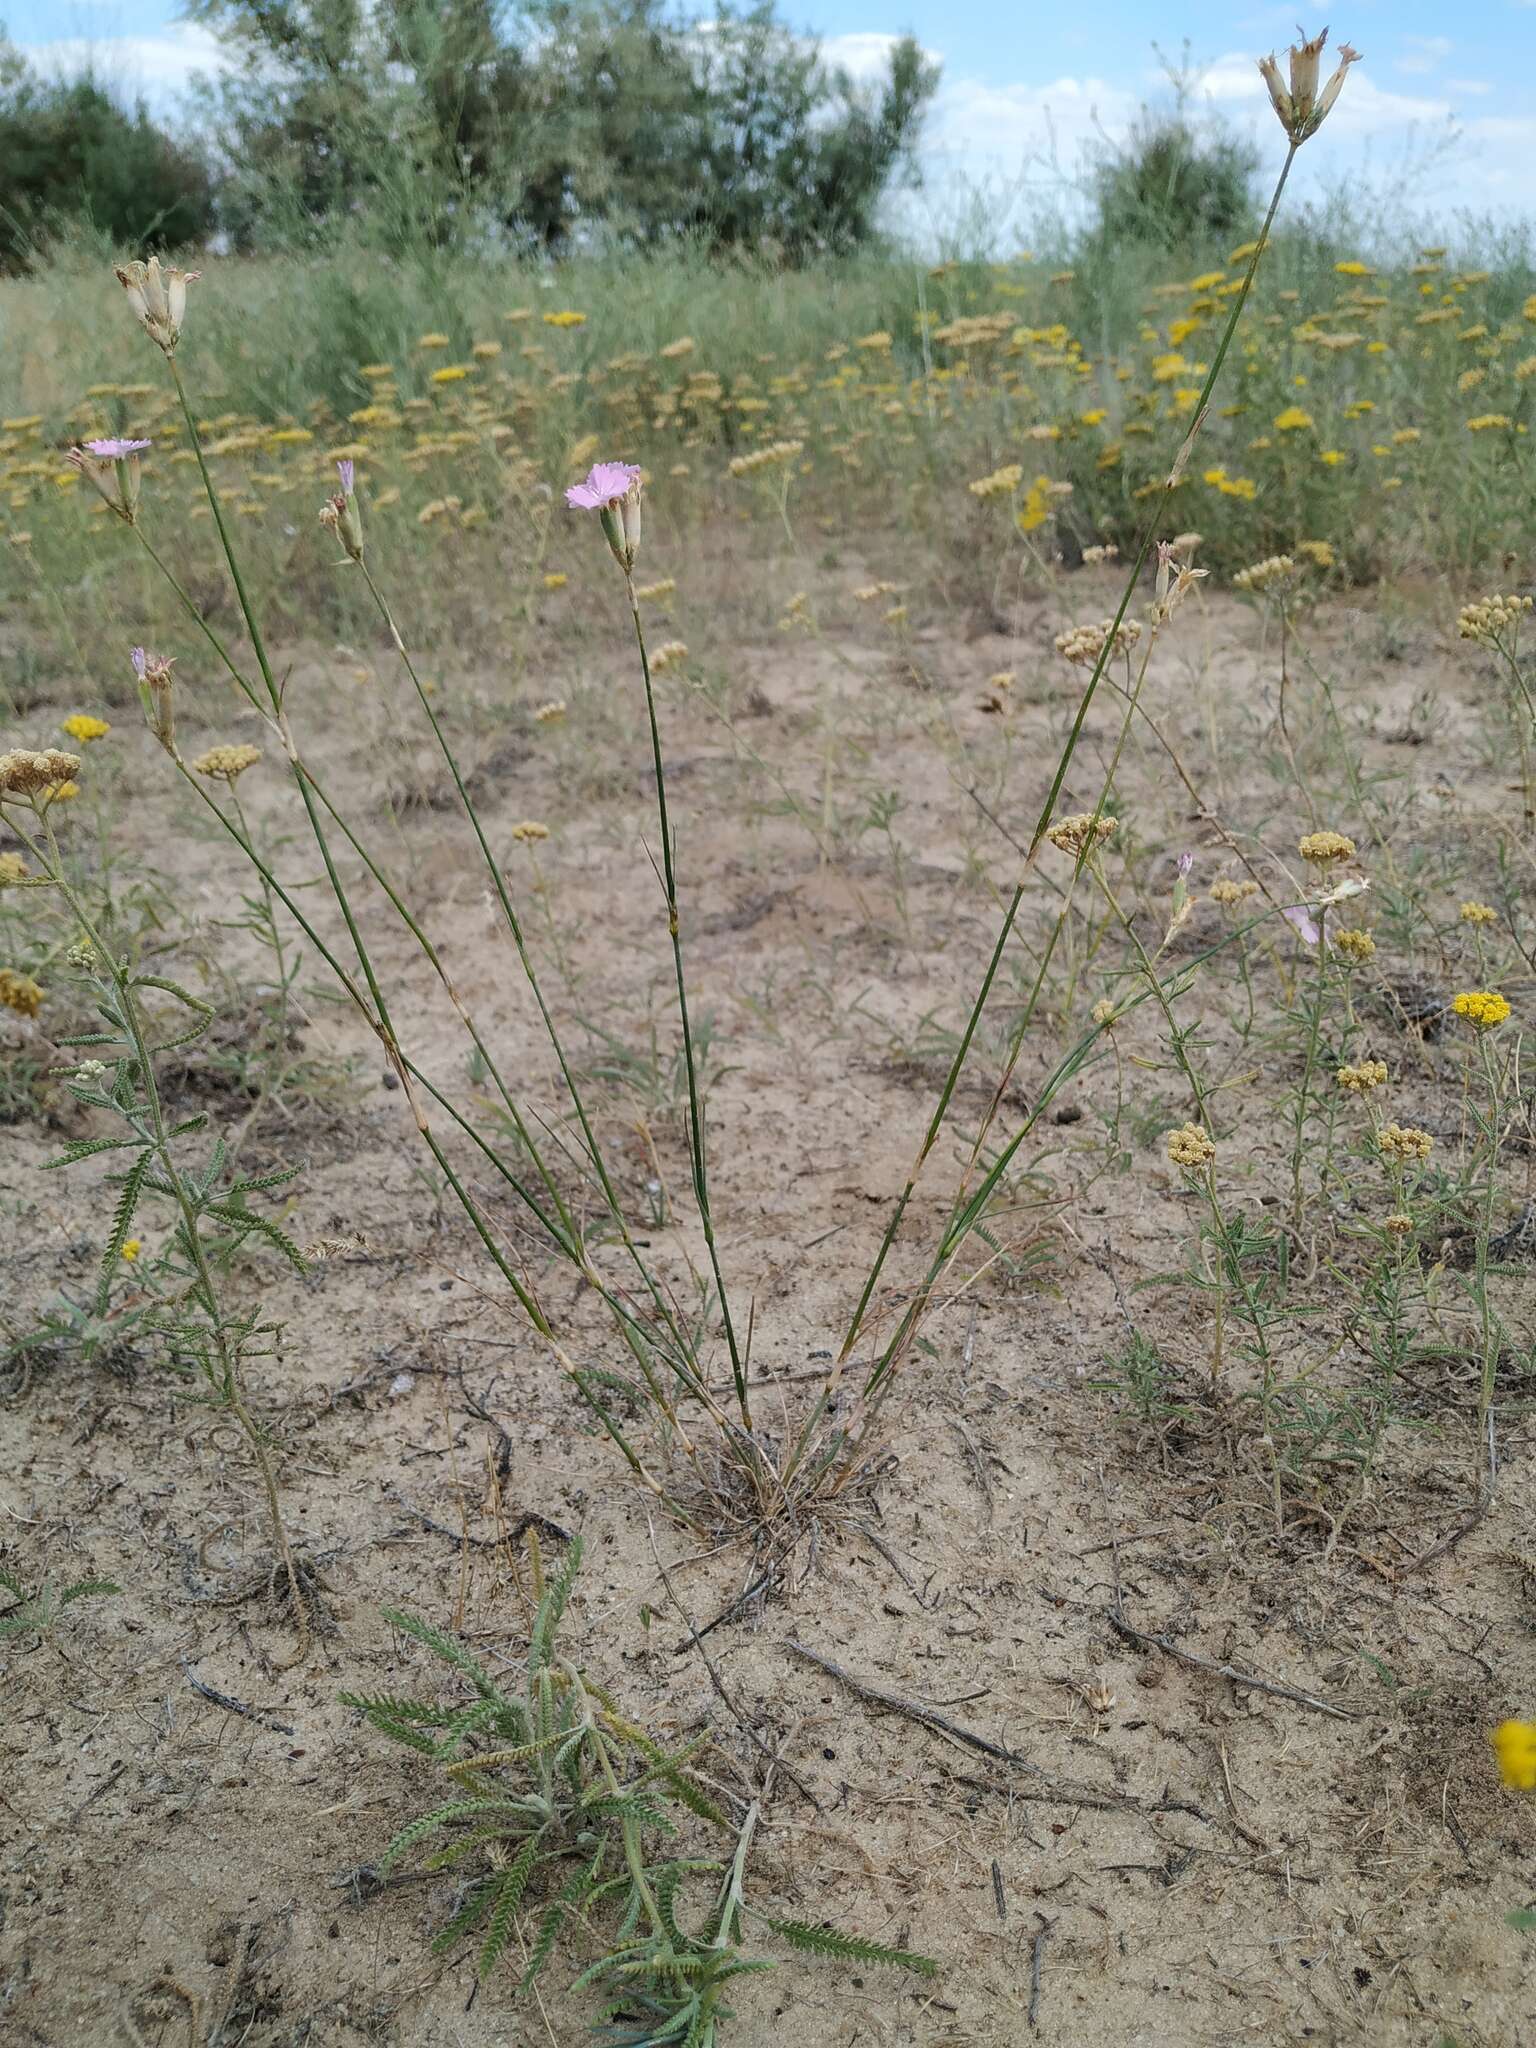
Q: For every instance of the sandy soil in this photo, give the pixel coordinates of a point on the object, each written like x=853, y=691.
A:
x=1163, y=1855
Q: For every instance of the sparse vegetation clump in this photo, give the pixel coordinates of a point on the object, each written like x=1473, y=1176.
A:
x=780, y=943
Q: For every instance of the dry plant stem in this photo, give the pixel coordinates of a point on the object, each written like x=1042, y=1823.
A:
x=382, y=1024
x=515, y=929
x=695, y=1108
x=962, y=1052
x=1490, y=1330
x=1309, y=1066
x=228, y=1361
x=429, y=1087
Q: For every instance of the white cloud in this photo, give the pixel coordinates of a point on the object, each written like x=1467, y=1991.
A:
x=158, y=66
x=1425, y=53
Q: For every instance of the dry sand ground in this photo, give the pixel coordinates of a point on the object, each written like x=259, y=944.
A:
x=1183, y=1859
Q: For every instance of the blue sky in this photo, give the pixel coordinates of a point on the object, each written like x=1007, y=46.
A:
x=1026, y=87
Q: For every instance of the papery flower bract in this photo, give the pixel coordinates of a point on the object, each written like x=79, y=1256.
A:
x=1299, y=105
x=1302, y=921
x=158, y=297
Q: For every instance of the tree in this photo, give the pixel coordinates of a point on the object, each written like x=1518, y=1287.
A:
x=429, y=119
x=70, y=152
x=1173, y=185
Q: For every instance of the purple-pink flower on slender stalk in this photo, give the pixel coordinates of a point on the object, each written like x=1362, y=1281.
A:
x=605, y=484
x=1300, y=918
x=111, y=468
x=113, y=450
x=612, y=490
x=140, y=662
x=1186, y=862
x=340, y=513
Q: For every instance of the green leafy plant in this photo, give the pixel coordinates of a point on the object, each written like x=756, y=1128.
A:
x=558, y=1807
x=39, y=1611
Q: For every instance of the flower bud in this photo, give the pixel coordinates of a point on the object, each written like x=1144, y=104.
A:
x=341, y=513
x=154, y=678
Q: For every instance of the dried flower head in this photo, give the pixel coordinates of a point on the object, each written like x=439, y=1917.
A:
x=1404, y=1144
x=159, y=297
x=19, y=992
x=1190, y=1147
x=1103, y=1013
x=1398, y=1224
x=775, y=456
x=528, y=830
x=1324, y=847
x=548, y=714
x=1072, y=835
x=1275, y=571
x=1362, y=1079
x=1083, y=645
x=227, y=764
x=1483, y=1008
x=1478, y=913
x=1492, y=621
x=27, y=774
x=668, y=654
x=1301, y=108
x=1229, y=893
x=1001, y=483
x=1356, y=946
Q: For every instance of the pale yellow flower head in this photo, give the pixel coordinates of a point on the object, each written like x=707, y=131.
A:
x=1190, y=1147
x=227, y=764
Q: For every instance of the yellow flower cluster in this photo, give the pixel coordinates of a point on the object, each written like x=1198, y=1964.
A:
x=1514, y=1744
x=1478, y=913
x=1491, y=619
x=1356, y=946
x=227, y=764
x=19, y=992
x=1361, y=1079
x=668, y=655
x=82, y=728
x=1483, y=1008
x=1404, y=1144
x=1190, y=1147
x=1228, y=893
x=1322, y=848
x=527, y=830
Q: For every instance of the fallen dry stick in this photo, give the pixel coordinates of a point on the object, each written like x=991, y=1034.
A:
x=1228, y=1671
